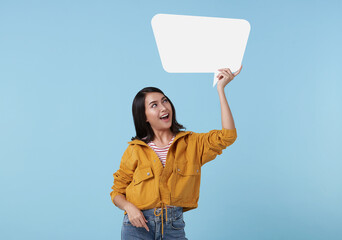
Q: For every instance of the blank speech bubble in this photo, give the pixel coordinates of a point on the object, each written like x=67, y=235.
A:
x=194, y=44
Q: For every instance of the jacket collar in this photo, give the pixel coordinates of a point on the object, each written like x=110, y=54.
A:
x=178, y=136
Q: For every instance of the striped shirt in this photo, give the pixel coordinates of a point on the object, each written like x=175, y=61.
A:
x=161, y=151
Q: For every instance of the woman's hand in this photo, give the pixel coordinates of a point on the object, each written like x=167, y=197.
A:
x=225, y=76
x=135, y=216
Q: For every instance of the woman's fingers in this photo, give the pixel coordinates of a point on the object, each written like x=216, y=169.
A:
x=220, y=76
x=226, y=71
x=143, y=224
x=140, y=222
x=225, y=74
x=135, y=223
x=229, y=72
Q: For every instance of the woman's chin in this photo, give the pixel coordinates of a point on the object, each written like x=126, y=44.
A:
x=165, y=127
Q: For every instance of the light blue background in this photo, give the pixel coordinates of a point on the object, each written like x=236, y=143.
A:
x=69, y=71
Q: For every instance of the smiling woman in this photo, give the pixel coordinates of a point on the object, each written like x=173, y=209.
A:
x=149, y=106
x=160, y=171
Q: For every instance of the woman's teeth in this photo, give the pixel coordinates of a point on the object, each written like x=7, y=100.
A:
x=165, y=116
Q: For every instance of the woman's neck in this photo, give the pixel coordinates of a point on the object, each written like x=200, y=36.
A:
x=162, y=138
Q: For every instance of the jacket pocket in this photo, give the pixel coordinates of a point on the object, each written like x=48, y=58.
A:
x=142, y=174
x=188, y=169
x=187, y=182
x=142, y=190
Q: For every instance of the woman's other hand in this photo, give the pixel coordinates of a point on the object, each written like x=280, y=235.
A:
x=225, y=76
x=135, y=216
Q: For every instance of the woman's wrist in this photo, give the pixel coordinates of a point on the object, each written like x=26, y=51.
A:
x=127, y=205
x=220, y=90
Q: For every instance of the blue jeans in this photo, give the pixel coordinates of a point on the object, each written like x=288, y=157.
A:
x=173, y=227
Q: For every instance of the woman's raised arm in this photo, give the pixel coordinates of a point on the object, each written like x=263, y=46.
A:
x=224, y=77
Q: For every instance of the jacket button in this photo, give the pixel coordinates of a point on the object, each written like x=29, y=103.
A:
x=148, y=174
x=197, y=170
x=154, y=160
x=178, y=169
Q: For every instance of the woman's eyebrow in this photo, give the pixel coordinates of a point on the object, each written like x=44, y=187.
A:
x=156, y=101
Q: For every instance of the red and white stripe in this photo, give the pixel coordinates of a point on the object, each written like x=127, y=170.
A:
x=161, y=151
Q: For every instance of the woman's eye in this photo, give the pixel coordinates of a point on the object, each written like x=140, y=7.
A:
x=165, y=100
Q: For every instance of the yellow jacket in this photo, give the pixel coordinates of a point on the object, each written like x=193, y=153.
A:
x=147, y=184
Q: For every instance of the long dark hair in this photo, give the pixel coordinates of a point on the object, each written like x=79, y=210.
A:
x=143, y=128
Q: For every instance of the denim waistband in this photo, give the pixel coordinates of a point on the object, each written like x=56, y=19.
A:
x=173, y=213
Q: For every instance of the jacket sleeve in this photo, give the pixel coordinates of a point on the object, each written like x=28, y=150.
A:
x=123, y=177
x=211, y=144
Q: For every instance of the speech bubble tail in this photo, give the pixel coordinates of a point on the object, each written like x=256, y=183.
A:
x=215, y=78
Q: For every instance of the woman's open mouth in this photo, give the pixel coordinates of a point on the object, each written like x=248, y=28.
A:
x=165, y=117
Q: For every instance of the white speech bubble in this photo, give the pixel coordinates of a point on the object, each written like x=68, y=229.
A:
x=194, y=44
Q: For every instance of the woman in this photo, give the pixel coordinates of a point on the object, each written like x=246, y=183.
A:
x=160, y=171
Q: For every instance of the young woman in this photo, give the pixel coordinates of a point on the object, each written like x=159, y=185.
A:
x=160, y=171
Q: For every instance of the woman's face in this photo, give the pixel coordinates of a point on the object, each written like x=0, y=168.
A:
x=156, y=106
